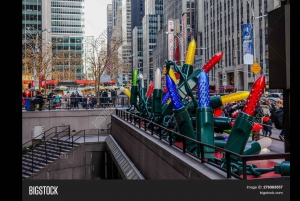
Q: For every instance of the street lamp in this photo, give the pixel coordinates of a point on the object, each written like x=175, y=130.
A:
x=253, y=27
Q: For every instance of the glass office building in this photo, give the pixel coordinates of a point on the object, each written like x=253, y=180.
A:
x=67, y=22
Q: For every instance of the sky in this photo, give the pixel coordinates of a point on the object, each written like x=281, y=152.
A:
x=95, y=17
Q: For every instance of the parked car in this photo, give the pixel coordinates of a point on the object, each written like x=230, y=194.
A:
x=275, y=96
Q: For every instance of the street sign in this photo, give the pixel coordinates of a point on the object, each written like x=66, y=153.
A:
x=255, y=68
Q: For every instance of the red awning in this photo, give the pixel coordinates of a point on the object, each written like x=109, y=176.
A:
x=52, y=81
x=26, y=81
x=113, y=81
x=85, y=81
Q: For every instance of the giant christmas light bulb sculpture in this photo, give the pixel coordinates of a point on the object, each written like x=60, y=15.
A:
x=126, y=91
x=172, y=75
x=243, y=124
x=141, y=87
x=181, y=116
x=167, y=95
x=255, y=95
x=218, y=101
x=212, y=62
x=204, y=116
x=157, y=92
x=133, y=97
x=165, y=98
x=187, y=68
x=142, y=79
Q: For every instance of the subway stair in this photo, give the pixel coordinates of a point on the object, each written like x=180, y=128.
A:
x=44, y=154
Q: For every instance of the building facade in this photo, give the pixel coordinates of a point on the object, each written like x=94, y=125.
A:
x=221, y=26
x=177, y=11
x=109, y=17
x=152, y=23
x=126, y=48
x=67, y=26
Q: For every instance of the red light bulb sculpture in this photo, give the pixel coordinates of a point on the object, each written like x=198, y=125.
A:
x=212, y=62
x=243, y=124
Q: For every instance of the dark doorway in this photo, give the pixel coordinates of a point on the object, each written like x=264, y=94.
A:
x=95, y=162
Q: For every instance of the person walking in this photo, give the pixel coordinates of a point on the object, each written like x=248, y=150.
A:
x=105, y=95
x=278, y=118
x=63, y=100
x=258, y=118
x=113, y=97
x=267, y=123
x=51, y=99
x=73, y=97
x=68, y=97
x=40, y=100
x=57, y=101
x=271, y=108
x=77, y=100
x=108, y=96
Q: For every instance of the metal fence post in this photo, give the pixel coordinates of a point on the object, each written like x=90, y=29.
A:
x=227, y=155
x=244, y=169
x=183, y=145
x=45, y=147
x=152, y=127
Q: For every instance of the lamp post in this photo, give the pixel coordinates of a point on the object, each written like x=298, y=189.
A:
x=253, y=28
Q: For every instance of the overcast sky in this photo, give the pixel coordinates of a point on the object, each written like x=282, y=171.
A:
x=95, y=17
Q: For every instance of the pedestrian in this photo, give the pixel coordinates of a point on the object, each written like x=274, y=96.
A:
x=57, y=101
x=51, y=100
x=85, y=101
x=63, y=100
x=258, y=118
x=267, y=123
x=108, y=96
x=278, y=118
x=105, y=96
x=113, y=97
x=39, y=100
x=90, y=102
x=73, y=97
x=77, y=100
x=68, y=96
x=271, y=108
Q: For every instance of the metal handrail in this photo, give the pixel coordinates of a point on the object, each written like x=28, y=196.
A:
x=59, y=145
x=46, y=155
x=244, y=158
x=43, y=134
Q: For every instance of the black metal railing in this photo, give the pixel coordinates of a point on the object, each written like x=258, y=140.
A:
x=155, y=129
x=61, y=140
x=74, y=103
x=42, y=139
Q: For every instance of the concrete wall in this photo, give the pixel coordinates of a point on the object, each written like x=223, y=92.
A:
x=156, y=159
x=71, y=166
x=77, y=119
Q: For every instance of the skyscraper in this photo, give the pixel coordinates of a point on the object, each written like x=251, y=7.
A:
x=68, y=29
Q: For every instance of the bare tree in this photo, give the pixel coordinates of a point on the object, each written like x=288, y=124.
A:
x=103, y=61
x=41, y=60
x=37, y=58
